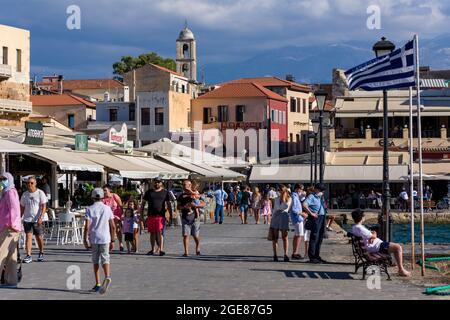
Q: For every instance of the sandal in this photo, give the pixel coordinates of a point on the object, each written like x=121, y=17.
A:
x=185, y=255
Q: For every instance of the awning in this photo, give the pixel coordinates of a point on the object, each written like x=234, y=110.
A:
x=7, y=146
x=203, y=169
x=66, y=160
x=433, y=171
x=165, y=170
x=332, y=174
x=125, y=168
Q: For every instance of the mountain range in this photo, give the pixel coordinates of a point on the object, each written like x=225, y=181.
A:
x=314, y=64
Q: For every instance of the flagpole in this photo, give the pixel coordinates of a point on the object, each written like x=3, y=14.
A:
x=411, y=176
x=419, y=132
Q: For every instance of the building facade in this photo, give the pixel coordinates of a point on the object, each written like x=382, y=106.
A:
x=14, y=74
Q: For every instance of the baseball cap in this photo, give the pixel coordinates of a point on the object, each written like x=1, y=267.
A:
x=97, y=193
x=320, y=187
x=157, y=180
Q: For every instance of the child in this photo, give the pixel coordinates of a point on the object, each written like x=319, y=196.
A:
x=266, y=209
x=99, y=233
x=374, y=245
x=136, y=224
x=128, y=222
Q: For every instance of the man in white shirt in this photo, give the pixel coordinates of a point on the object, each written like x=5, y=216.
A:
x=404, y=200
x=33, y=206
x=99, y=232
x=373, y=244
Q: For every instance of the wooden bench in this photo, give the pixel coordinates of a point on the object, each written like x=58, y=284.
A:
x=365, y=259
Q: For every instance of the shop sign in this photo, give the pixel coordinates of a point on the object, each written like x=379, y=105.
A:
x=34, y=133
x=81, y=142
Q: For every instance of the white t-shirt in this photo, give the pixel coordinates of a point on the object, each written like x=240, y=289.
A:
x=364, y=233
x=32, y=203
x=404, y=195
x=272, y=194
x=99, y=215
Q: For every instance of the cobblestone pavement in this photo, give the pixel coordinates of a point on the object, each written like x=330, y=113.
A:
x=236, y=263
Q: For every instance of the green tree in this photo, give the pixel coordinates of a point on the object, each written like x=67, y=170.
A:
x=128, y=63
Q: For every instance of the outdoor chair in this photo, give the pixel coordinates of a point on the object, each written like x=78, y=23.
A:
x=365, y=259
x=67, y=226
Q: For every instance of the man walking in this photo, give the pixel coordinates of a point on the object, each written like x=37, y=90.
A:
x=99, y=232
x=32, y=206
x=221, y=196
x=158, y=200
x=314, y=207
x=404, y=200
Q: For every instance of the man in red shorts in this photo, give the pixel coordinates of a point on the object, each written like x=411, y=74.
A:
x=158, y=200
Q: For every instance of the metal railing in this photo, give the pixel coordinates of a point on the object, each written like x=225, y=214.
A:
x=7, y=105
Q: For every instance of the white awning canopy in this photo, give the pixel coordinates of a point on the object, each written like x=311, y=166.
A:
x=332, y=174
x=66, y=160
x=7, y=146
x=126, y=169
x=165, y=170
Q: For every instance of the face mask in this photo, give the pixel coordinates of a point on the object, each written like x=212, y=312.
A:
x=4, y=184
x=320, y=194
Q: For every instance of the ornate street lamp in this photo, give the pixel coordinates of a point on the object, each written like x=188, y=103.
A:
x=382, y=48
x=321, y=96
x=316, y=127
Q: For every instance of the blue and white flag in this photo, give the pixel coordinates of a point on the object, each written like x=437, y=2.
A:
x=392, y=71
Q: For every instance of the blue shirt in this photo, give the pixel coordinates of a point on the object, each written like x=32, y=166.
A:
x=220, y=196
x=296, y=209
x=315, y=204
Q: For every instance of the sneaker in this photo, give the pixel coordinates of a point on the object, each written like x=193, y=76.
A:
x=40, y=257
x=321, y=260
x=105, y=285
x=96, y=288
x=27, y=259
x=286, y=259
x=315, y=261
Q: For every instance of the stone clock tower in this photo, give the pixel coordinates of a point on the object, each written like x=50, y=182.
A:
x=187, y=54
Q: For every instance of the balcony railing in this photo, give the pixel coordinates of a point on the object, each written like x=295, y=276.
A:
x=5, y=71
x=19, y=106
x=378, y=133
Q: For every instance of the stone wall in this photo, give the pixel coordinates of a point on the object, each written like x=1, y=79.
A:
x=340, y=87
x=14, y=91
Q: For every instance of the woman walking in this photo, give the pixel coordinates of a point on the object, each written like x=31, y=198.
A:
x=10, y=228
x=113, y=201
x=280, y=222
x=256, y=203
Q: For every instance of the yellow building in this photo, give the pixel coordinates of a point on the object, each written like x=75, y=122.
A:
x=14, y=74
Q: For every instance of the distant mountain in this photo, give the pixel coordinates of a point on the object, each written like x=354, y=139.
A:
x=314, y=64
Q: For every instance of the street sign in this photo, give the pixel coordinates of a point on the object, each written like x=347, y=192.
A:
x=34, y=133
x=81, y=142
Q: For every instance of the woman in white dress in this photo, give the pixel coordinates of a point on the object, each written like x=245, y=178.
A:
x=280, y=222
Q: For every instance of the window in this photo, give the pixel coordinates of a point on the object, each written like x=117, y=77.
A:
x=240, y=110
x=183, y=88
x=299, y=107
x=272, y=115
x=159, y=116
x=275, y=119
x=5, y=55
x=293, y=105
x=222, y=115
x=291, y=137
x=186, y=51
x=71, y=121
x=145, y=116
x=206, y=115
x=132, y=112
x=304, y=106
x=112, y=115
x=19, y=60
x=282, y=117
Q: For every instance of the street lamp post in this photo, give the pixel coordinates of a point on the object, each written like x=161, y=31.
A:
x=316, y=126
x=312, y=139
x=382, y=48
x=321, y=96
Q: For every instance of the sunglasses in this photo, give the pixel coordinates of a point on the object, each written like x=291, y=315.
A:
x=31, y=183
x=3, y=178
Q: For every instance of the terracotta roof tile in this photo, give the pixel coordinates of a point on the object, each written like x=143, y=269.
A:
x=242, y=90
x=272, y=82
x=69, y=85
x=167, y=70
x=57, y=100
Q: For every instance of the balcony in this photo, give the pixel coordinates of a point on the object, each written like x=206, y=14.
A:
x=15, y=106
x=5, y=72
x=342, y=139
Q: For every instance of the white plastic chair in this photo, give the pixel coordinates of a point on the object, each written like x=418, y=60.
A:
x=67, y=226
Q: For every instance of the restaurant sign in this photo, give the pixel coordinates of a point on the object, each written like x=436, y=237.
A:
x=34, y=133
x=119, y=137
x=241, y=125
x=81, y=142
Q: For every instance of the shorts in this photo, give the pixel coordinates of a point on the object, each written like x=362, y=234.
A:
x=190, y=228
x=37, y=229
x=244, y=208
x=155, y=224
x=100, y=253
x=299, y=229
x=384, y=247
x=129, y=236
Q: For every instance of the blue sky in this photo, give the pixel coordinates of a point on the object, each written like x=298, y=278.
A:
x=226, y=30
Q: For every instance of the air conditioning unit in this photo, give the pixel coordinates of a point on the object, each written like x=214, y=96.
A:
x=212, y=119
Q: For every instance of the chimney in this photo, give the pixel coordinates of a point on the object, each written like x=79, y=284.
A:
x=290, y=77
x=60, y=84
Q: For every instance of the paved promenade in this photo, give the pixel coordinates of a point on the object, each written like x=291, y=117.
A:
x=236, y=263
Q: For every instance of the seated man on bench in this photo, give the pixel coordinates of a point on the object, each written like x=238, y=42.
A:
x=374, y=245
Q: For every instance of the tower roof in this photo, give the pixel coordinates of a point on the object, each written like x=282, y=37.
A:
x=186, y=33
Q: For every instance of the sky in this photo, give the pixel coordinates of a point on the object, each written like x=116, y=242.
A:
x=225, y=30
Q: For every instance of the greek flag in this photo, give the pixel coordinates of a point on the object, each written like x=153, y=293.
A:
x=392, y=71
